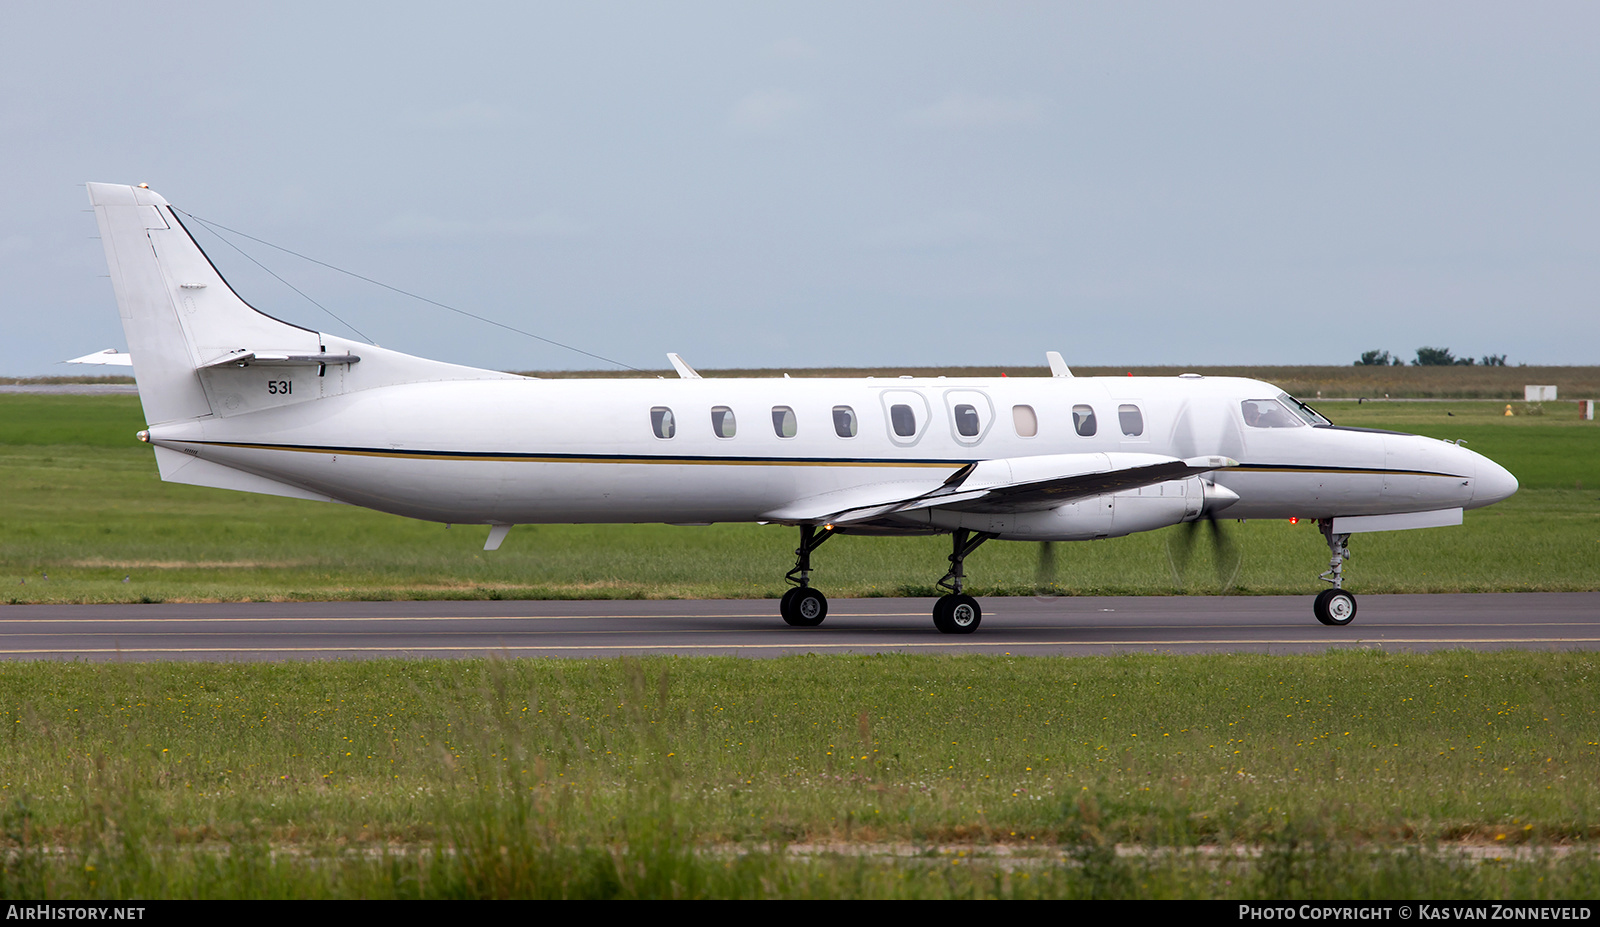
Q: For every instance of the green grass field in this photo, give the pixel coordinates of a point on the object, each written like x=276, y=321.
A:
x=1344, y=775
x=83, y=510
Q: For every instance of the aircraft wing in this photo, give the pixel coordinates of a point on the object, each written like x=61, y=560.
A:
x=1012, y=484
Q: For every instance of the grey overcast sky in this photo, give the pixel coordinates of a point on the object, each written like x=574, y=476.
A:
x=815, y=184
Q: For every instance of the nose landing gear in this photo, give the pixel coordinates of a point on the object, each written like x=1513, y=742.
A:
x=1335, y=606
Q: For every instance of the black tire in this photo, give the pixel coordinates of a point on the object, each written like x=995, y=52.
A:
x=804, y=607
x=1335, y=607
x=786, y=605
x=957, y=614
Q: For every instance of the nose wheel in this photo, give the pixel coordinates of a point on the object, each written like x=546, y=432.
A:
x=956, y=614
x=1335, y=607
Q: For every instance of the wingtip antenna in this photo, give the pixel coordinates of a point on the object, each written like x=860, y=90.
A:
x=1058, y=364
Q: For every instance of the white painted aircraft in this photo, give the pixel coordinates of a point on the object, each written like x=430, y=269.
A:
x=239, y=400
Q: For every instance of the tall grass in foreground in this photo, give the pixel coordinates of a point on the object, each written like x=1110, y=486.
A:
x=1343, y=775
x=519, y=869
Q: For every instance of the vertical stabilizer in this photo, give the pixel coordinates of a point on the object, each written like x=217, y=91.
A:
x=199, y=350
x=178, y=313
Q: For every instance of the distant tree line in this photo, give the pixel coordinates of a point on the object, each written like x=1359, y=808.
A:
x=1429, y=357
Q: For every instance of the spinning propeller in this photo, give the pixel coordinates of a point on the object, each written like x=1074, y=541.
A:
x=1223, y=551
x=1044, y=582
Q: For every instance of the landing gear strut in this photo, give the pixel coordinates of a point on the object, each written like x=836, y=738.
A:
x=803, y=606
x=1335, y=606
x=957, y=612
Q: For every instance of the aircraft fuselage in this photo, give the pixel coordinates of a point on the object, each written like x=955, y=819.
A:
x=528, y=451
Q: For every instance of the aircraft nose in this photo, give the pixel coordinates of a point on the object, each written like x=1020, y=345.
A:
x=1494, y=483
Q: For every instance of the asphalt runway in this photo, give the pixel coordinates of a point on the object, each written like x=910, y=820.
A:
x=255, y=631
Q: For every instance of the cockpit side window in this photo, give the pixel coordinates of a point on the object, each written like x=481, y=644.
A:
x=1131, y=419
x=1269, y=413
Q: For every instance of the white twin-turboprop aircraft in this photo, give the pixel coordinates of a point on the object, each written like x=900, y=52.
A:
x=239, y=400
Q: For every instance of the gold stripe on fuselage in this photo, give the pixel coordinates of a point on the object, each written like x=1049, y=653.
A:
x=613, y=459
x=737, y=461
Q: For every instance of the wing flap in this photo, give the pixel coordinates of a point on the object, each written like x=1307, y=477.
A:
x=871, y=496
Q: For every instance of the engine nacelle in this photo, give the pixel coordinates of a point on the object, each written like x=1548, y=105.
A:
x=1108, y=516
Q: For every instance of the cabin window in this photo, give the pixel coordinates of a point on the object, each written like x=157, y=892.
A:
x=971, y=414
x=1083, y=420
x=1268, y=413
x=903, y=420
x=1026, y=421
x=661, y=422
x=1131, y=419
x=722, y=423
x=966, y=420
x=844, y=421
x=783, y=423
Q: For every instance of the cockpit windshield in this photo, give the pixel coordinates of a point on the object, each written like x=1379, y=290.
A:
x=1268, y=413
x=1311, y=416
x=1284, y=411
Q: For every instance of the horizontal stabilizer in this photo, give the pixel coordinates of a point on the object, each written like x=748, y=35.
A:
x=110, y=356
x=243, y=358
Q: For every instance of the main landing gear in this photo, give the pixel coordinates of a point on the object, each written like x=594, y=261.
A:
x=803, y=606
x=957, y=612
x=1335, y=606
x=954, y=613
